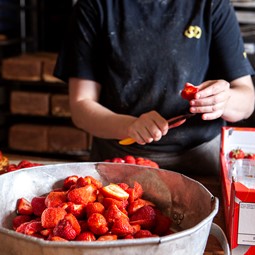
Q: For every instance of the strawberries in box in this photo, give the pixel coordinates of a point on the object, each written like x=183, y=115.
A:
x=238, y=145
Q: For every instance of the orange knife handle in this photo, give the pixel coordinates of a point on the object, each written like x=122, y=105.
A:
x=127, y=141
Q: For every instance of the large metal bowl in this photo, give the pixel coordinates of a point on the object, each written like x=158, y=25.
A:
x=187, y=201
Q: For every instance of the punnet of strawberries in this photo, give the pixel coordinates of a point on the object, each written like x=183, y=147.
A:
x=82, y=209
x=129, y=159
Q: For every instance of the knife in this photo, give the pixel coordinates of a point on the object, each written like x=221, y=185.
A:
x=172, y=123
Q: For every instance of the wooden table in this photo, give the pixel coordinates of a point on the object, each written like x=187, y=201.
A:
x=212, y=183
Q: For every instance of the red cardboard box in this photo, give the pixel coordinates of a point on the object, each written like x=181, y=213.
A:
x=238, y=199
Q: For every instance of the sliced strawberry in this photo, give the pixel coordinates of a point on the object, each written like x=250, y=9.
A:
x=46, y=232
x=38, y=205
x=143, y=234
x=113, y=213
x=51, y=216
x=189, y=91
x=84, y=225
x=19, y=219
x=95, y=207
x=114, y=191
x=162, y=225
x=74, y=222
x=22, y=227
x=122, y=227
x=137, y=204
x=108, y=237
x=24, y=207
x=86, y=236
x=83, y=195
x=145, y=217
x=121, y=204
x=57, y=239
x=97, y=224
x=123, y=185
x=64, y=229
x=55, y=198
x=79, y=211
x=69, y=182
x=33, y=227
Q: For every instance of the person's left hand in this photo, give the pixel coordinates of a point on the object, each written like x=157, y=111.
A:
x=211, y=99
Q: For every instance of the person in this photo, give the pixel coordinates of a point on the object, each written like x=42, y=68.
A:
x=126, y=61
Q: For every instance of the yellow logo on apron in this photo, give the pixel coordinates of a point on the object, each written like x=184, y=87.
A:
x=193, y=32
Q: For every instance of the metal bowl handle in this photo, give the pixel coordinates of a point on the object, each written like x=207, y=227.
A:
x=221, y=237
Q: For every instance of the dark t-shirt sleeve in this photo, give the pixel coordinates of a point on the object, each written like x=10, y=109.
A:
x=228, y=59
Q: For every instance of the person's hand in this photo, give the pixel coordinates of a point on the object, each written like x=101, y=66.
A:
x=211, y=99
x=148, y=127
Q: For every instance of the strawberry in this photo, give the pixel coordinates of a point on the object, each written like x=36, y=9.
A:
x=24, y=207
x=11, y=168
x=113, y=213
x=144, y=216
x=122, y=227
x=95, y=182
x=121, y=204
x=74, y=222
x=129, y=159
x=51, y=216
x=24, y=164
x=95, y=207
x=143, y=234
x=38, y=205
x=114, y=191
x=236, y=154
x=118, y=160
x=46, y=232
x=69, y=181
x=162, y=225
x=135, y=193
x=57, y=239
x=249, y=156
x=19, y=219
x=64, y=229
x=123, y=185
x=108, y=237
x=189, y=91
x=84, y=225
x=137, y=204
x=78, y=210
x=22, y=227
x=55, y=198
x=83, y=195
x=97, y=224
x=86, y=236
x=33, y=227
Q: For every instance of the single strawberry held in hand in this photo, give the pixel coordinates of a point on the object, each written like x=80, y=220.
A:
x=189, y=91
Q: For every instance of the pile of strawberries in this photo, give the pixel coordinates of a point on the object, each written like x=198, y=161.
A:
x=85, y=210
x=129, y=159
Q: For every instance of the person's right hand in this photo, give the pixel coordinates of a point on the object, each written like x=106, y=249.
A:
x=149, y=127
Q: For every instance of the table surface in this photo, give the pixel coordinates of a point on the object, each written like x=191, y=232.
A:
x=212, y=183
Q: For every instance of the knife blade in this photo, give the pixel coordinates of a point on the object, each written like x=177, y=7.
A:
x=172, y=123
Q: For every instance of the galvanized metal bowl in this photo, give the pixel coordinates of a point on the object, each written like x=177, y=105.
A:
x=188, y=202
